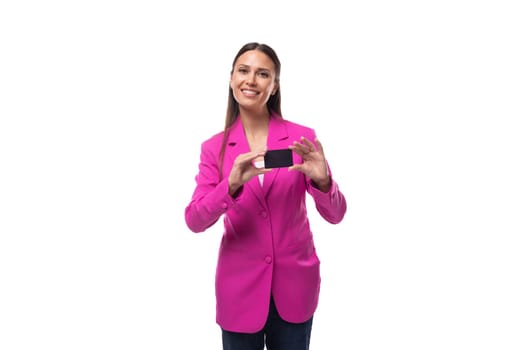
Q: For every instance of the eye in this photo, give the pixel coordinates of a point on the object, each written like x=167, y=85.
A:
x=264, y=74
x=242, y=70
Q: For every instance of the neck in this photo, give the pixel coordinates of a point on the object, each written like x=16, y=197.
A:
x=255, y=122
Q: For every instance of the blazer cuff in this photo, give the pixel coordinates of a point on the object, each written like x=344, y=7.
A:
x=323, y=196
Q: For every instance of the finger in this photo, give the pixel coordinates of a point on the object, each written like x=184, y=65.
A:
x=308, y=143
x=319, y=145
x=298, y=148
x=252, y=155
x=245, y=159
x=261, y=171
x=295, y=167
x=303, y=147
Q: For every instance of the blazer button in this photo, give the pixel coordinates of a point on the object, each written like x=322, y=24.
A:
x=264, y=214
x=268, y=259
x=224, y=205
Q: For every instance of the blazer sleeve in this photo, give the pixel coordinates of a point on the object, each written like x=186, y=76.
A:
x=210, y=198
x=331, y=205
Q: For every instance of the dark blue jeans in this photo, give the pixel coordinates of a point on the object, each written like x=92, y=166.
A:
x=277, y=334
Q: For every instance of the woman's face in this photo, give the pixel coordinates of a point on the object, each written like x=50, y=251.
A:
x=253, y=79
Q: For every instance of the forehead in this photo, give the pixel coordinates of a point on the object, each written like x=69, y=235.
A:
x=255, y=58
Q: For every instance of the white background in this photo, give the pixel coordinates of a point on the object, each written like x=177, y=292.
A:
x=419, y=105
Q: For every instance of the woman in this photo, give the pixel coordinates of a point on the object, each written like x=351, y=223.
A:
x=267, y=278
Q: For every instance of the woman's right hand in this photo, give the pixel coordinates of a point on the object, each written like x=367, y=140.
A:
x=243, y=170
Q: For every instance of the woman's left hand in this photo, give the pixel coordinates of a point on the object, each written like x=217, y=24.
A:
x=314, y=162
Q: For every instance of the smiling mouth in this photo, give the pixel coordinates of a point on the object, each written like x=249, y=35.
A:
x=249, y=92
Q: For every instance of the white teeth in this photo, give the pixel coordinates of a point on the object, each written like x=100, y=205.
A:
x=249, y=92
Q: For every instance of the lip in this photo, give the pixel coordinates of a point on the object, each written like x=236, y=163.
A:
x=250, y=92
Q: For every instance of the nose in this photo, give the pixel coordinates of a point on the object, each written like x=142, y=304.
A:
x=251, y=79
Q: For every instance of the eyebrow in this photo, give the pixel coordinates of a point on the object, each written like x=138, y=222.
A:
x=248, y=66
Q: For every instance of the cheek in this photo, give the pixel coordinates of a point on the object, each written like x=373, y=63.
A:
x=271, y=88
x=235, y=83
x=235, y=92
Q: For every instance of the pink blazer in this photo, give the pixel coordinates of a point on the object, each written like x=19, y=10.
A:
x=267, y=246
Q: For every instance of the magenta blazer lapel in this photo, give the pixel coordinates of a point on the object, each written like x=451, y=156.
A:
x=278, y=138
x=238, y=144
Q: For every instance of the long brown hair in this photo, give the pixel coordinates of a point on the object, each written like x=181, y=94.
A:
x=232, y=112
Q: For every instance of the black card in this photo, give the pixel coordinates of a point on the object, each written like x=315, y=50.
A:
x=278, y=158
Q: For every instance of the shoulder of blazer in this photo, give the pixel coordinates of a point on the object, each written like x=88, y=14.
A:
x=214, y=142
x=235, y=132
x=296, y=130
